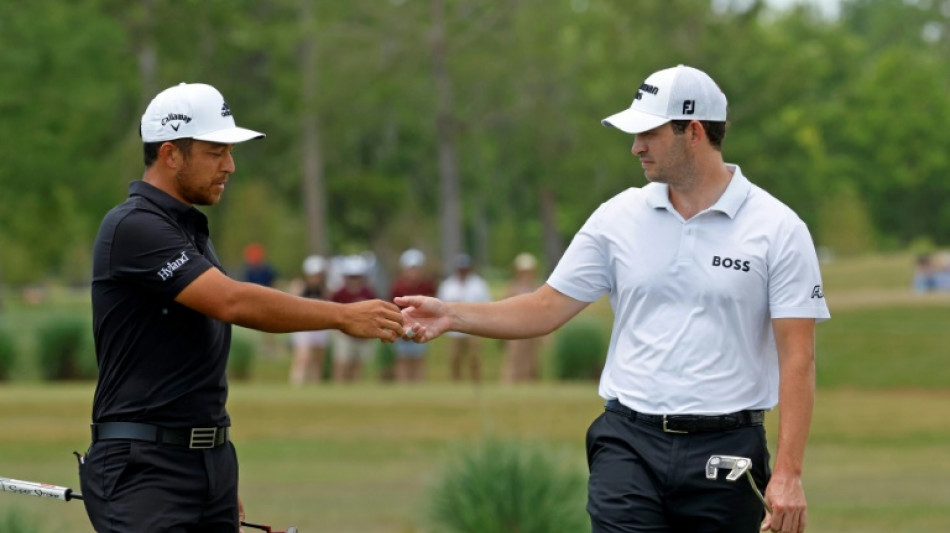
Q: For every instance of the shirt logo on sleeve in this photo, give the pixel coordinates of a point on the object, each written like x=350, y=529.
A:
x=170, y=267
x=817, y=292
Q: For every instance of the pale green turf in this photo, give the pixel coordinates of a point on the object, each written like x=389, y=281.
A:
x=359, y=459
x=881, y=271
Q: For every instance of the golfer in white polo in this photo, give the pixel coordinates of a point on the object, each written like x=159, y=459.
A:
x=715, y=289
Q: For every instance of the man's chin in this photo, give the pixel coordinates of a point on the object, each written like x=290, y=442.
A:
x=208, y=200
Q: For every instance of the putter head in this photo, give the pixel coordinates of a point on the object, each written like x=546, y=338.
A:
x=737, y=465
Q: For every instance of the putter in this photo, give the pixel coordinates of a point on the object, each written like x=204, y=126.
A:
x=737, y=467
x=55, y=492
x=268, y=528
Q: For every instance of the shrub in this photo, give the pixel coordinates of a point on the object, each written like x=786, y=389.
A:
x=241, y=358
x=386, y=361
x=580, y=351
x=7, y=355
x=64, y=350
x=500, y=487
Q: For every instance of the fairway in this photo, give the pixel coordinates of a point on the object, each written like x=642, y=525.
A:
x=360, y=459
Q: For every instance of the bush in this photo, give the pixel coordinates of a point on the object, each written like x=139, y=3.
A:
x=64, y=349
x=386, y=361
x=500, y=487
x=240, y=359
x=580, y=351
x=7, y=355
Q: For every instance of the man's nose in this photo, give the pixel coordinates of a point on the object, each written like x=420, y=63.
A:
x=638, y=146
x=229, y=163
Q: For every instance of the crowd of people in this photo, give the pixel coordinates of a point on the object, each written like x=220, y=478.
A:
x=353, y=278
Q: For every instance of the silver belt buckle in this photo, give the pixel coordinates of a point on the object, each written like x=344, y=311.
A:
x=666, y=428
x=202, y=438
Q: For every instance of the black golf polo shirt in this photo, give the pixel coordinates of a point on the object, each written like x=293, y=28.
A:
x=159, y=362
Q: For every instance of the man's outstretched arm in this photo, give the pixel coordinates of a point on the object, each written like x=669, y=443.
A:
x=262, y=308
x=519, y=317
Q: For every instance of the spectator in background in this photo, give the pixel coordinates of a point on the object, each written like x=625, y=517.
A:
x=520, y=363
x=351, y=353
x=256, y=267
x=310, y=347
x=259, y=271
x=932, y=272
x=410, y=356
x=464, y=286
x=925, y=279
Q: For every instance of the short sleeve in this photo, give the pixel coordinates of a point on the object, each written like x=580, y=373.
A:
x=583, y=272
x=155, y=254
x=795, y=289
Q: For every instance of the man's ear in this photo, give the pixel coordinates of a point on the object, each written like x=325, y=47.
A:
x=695, y=131
x=170, y=155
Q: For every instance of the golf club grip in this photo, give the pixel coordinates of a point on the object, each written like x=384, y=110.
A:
x=42, y=490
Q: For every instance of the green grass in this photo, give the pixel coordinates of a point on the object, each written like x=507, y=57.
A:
x=885, y=347
x=362, y=458
x=880, y=271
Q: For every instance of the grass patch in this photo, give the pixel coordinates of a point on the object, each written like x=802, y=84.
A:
x=880, y=271
x=885, y=347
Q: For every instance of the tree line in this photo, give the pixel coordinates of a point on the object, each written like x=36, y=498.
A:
x=463, y=125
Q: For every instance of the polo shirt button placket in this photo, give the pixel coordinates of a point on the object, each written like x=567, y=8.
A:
x=686, y=245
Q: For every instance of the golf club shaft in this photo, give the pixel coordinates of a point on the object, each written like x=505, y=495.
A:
x=758, y=493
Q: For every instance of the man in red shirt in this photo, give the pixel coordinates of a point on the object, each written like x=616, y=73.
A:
x=410, y=356
x=351, y=353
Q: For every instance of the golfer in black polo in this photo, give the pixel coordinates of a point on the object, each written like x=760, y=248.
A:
x=161, y=458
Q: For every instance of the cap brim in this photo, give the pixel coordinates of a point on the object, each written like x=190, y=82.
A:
x=229, y=136
x=632, y=121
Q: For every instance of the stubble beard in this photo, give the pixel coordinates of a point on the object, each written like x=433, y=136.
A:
x=193, y=194
x=678, y=172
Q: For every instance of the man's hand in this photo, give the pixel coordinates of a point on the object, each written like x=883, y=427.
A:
x=425, y=317
x=241, y=514
x=372, y=319
x=787, y=497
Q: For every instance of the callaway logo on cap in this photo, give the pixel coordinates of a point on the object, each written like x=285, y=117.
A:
x=678, y=93
x=192, y=110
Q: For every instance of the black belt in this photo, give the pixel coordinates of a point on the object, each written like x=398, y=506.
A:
x=691, y=423
x=209, y=437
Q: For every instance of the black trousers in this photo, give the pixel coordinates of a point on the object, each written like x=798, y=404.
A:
x=144, y=487
x=643, y=479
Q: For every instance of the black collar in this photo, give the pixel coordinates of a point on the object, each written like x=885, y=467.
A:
x=178, y=210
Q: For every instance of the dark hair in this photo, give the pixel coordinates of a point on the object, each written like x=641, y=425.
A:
x=715, y=131
x=150, y=150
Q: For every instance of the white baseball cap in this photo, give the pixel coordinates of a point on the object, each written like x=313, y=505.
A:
x=192, y=110
x=314, y=264
x=525, y=261
x=354, y=265
x=678, y=93
x=412, y=258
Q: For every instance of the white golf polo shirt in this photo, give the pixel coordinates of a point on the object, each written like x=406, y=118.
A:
x=693, y=299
